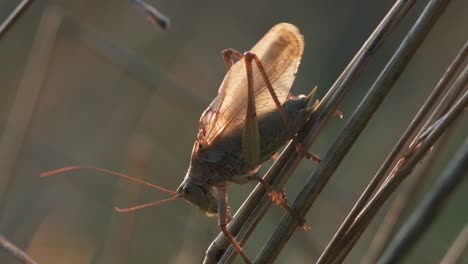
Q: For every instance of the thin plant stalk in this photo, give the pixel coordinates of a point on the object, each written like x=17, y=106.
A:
x=403, y=201
x=404, y=139
x=403, y=168
x=429, y=208
x=16, y=252
x=14, y=15
x=347, y=243
x=390, y=222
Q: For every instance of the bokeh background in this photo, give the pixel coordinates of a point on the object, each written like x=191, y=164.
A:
x=115, y=92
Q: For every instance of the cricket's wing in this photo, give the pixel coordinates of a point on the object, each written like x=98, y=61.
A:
x=280, y=52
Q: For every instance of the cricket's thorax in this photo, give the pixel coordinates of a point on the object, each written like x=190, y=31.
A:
x=223, y=158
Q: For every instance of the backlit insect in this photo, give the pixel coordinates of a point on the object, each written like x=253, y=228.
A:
x=252, y=117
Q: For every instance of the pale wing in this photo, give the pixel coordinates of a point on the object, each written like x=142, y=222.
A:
x=280, y=51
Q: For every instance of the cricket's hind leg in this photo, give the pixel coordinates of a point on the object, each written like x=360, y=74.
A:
x=228, y=54
x=277, y=197
x=249, y=57
x=223, y=220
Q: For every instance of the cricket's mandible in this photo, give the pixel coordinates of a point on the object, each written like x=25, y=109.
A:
x=250, y=119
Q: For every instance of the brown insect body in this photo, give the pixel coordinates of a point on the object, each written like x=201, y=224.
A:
x=219, y=155
x=222, y=161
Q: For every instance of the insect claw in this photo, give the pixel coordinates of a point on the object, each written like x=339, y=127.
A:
x=283, y=195
x=312, y=157
x=305, y=227
x=339, y=114
x=118, y=209
x=276, y=197
x=302, y=223
x=275, y=156
x=300, y=150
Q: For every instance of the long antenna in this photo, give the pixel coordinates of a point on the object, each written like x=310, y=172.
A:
x=127, y=177
x=141, y=206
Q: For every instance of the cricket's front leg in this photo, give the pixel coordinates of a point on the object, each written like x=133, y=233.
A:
x=249, y=57
x=223, y=220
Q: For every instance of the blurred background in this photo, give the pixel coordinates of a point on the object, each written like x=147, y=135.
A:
x=103, y=87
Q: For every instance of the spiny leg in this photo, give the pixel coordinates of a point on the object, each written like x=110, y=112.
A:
x=222, y=222
x=277, y=197
x=299, y=148
x=228, y=54
x=279, y=200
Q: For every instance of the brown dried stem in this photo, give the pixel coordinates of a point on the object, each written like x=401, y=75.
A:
x=15, y=14
x=457, y=87
x=258, y=202
x=429, y=208
x=403, y=203
x=19, y=254
x=390, y=222
x=405, y=166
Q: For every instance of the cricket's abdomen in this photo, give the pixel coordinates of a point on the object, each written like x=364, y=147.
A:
x=224, y=155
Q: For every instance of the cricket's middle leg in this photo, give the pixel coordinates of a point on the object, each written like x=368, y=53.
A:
x=276, y=197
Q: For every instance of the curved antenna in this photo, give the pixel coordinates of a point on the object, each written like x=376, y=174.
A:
x=127, y=177
x=141, y=206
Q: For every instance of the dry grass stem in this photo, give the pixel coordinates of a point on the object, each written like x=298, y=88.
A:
x=14, y=15
x=392, y=157
x=19, y=254
x=430, y=207
x=403, y=168
x=404, y=200
x=392, y=218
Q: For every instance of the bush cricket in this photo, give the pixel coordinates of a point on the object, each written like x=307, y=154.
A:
x=250, y=119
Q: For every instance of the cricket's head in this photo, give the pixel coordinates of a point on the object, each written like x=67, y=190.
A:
x=199, y=195
x=195, y=188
